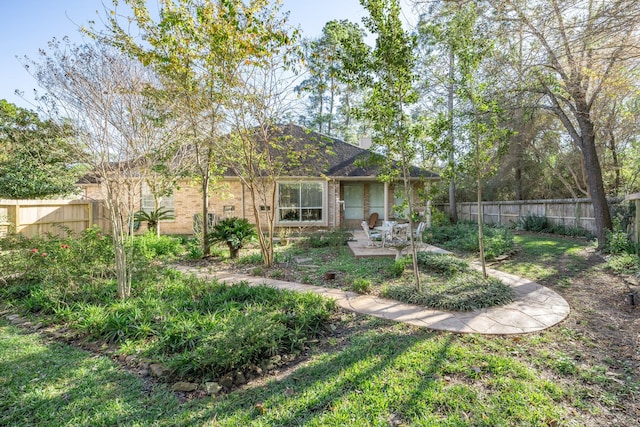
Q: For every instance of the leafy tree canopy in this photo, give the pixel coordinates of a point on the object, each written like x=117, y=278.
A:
x=35, y=158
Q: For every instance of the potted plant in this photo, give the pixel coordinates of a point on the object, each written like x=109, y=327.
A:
x=235, y=232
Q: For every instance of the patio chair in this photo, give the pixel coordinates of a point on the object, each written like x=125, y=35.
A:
x=373, y=218
x=372, y=237
x=418, y=232
x=386, y=230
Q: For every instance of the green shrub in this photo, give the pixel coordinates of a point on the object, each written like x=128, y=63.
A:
x=234, y=232
x=331, y=238
x=361, y=285
x=194, y=248
x=151, y=246
x=398, y=267
x=535, y=223
x=463, y=292
x=62, y=261
x=441, y=264
x=618, y=242
x=624, y=263
x=498, y=241
x=439, y=218
x=463, y=237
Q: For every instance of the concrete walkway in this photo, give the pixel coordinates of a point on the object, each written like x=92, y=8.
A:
x=534, y=307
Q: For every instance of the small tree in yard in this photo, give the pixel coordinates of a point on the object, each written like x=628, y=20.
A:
x=482, y=126
x=234, y=232
x=101, y=92
x=390, y=73
x=198, y=48
x=258, y=150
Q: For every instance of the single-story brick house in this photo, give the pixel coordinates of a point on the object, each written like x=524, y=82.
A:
x=337, y=187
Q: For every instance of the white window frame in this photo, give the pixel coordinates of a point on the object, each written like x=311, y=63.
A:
x=324, y=213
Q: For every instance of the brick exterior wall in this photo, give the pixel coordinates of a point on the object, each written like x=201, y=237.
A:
x=232, y=199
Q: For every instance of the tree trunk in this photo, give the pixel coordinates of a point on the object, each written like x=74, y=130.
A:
x=617, y=182
x=266, y=242
x=453, y=208
x=206, y=247
x=517, y=176
x=480, y=211
x=596, y=184
x=123, y=273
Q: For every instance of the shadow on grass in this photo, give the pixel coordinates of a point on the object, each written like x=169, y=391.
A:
x=338, y=388
x=53, y=384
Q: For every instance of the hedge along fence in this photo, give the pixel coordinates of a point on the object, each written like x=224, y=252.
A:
x=34, y=217
x=568, y=212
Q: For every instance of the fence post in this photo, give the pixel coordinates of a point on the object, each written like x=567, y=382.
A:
x=16, y=217
x=89, y=214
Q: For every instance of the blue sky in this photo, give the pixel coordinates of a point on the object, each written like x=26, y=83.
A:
x=27, y=25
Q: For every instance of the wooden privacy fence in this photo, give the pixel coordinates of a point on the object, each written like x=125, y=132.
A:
x=33, y=217
x=567, y=212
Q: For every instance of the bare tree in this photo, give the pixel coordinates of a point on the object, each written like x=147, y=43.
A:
x=101, y=92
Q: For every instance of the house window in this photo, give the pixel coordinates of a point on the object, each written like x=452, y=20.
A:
x=300, y=202
x=147, y=202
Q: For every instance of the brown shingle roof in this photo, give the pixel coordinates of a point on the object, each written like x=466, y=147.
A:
x=330, y=156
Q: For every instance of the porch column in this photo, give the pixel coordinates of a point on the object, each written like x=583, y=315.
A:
x=386, y=201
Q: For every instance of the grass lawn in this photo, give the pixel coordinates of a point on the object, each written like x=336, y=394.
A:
x=47, y=383
x=360, y=371
x=378, y=374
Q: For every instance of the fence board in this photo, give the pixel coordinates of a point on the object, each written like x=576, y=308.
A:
x=34, y=217
x=568, y=212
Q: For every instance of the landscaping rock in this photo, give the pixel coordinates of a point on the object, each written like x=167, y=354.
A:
x=17, y=320
x=212, y=387
x=240, y=378
x=184, y=386
x=159, y=371
x=271, y=363
x=632, y=280
x=226, y=381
